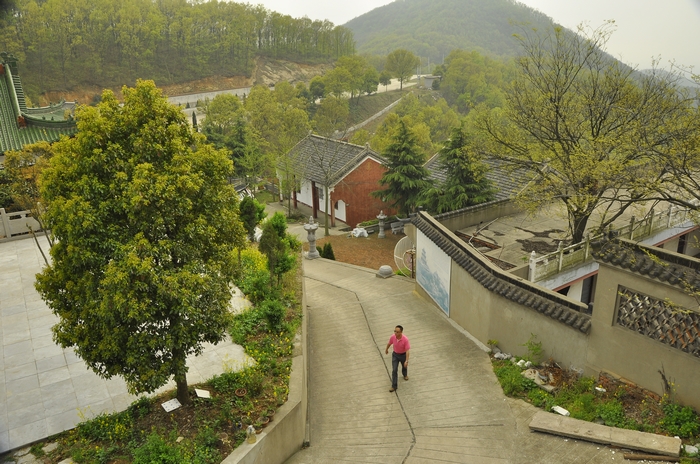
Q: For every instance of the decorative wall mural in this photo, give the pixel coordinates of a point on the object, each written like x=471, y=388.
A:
x=433, y=271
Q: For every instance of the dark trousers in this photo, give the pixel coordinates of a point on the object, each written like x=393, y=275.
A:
x=397, y=358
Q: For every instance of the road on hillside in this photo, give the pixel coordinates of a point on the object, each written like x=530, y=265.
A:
x=193, y=98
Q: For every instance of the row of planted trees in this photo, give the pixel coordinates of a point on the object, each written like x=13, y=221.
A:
x=63, y=44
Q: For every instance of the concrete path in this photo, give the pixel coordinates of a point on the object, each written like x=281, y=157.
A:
x=452, y=410
x=45, y=389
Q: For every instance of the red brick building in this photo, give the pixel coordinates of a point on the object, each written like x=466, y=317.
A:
x=348, y=173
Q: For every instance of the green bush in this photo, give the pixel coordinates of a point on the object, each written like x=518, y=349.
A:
x=245, y=324
x=157, y=451
x=539, y=397
x=253, y=380
x=583, y=407
x=256, y=286
x=228, y=382
x=613, y=414
x=293, y=242
x=254, y=280
x=680, y=420
x=583, y=385
x=534, y=349
x=274, y=312
x=140, y=407
x=512, y=380
x=328, y=251
x=109, y=427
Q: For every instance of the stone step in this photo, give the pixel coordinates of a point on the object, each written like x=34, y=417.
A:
x=588, y=431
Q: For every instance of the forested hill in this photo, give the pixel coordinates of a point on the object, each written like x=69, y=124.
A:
x=64, y=44
x=432, y=28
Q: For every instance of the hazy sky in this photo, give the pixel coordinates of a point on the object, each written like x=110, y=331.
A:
x=645, y=28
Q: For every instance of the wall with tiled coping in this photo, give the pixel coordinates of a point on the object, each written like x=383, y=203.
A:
x=493, y=304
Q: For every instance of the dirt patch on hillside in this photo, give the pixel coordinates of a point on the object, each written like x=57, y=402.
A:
x=270, y=72
x=267, y=72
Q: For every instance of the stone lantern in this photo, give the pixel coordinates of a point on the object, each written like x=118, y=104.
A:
x=311, y=228
x=381, y=218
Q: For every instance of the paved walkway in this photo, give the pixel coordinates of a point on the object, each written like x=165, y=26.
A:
x=452, y=410
x=45, y=389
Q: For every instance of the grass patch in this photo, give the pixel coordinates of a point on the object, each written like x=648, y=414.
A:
x=369, y=105
x=613, y=403
x=264, y=196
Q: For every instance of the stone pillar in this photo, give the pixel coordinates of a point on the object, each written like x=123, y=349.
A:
x=381, y=218
x=5, y=230
x=311, y=228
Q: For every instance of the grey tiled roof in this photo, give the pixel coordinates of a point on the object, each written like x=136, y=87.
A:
x=319, y=159
x=507, y=184
x=673, y=268
x=508, y=286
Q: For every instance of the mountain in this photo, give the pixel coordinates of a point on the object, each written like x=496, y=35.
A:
x=676, y=75
x=432, y=28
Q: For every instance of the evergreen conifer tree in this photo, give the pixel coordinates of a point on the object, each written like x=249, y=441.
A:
x=466, y=183
x=406, y=177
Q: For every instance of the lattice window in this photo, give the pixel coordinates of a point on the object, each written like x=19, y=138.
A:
x=659, y=320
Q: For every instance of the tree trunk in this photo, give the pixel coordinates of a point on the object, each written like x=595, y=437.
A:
x=577, y=223
x=183, y=395
x=327, y=233
x=180, y=361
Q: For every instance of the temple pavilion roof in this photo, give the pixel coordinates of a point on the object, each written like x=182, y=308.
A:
x=19, y=125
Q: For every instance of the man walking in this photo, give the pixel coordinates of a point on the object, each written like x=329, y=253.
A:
x=400, y=354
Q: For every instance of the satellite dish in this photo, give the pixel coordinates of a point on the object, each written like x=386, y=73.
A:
x=404, y=253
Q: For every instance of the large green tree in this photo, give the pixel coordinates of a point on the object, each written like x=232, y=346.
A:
x=465, y=184
x=252, y=213
x=279, y=121
x=470, y=79
x=331, y=116
x=401, y=64
x=276, y=244
x=406, y=177
x=222, y=114
x=581, y=124
x=146, y=228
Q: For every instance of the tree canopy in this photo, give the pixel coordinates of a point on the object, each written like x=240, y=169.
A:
x=430, y=120
x=465, y=184
x=146, y=228
x=582, y=123
x=401, y=64
x=470, y=79
x=406, y=177
x=63, y=44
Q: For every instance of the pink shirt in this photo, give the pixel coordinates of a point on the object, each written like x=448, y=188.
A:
x=400, y=346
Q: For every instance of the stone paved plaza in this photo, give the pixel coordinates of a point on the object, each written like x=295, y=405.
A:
x=45, y=389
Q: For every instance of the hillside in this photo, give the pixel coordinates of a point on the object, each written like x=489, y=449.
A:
x=66, y=45
x=266, y=71
x=432, y=28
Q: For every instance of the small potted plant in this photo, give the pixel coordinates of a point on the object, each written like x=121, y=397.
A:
x=240, y=392
x=270, y=413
